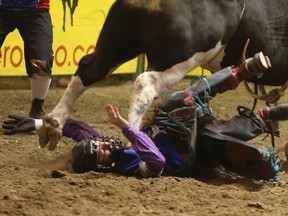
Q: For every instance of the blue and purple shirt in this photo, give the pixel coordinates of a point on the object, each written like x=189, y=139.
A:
x=147, y=159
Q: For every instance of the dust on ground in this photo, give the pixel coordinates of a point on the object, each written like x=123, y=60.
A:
x=38, y=182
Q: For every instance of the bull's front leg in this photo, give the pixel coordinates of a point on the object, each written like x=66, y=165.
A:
x=51, y=131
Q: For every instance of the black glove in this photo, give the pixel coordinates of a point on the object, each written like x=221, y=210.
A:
x=18, y=124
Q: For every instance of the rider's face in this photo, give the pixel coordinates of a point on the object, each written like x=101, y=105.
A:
x=104, y=152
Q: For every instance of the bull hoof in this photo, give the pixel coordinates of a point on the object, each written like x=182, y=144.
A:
x=50, y=133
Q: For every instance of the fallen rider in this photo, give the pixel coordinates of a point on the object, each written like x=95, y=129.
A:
x=183, y=134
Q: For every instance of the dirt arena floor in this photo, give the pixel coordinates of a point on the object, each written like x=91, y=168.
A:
x=38, y=182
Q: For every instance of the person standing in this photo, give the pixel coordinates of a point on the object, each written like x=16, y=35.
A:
x=33, y=21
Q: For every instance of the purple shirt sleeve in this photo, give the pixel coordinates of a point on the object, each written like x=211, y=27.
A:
x=78, y=130
x=146, y=149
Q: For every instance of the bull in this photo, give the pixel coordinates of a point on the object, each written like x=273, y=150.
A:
x=177, y=36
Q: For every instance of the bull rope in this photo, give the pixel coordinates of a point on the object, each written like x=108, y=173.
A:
x=183, y=123
x=271, y=97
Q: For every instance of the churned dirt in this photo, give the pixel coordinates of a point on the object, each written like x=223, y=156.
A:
x=38, y=182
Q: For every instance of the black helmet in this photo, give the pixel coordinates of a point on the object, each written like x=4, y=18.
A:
x=84, y=154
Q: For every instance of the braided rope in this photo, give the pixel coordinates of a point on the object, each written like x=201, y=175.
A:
x=182, y=124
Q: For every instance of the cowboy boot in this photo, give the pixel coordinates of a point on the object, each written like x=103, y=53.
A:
x=254, y=66
x=271, y=115
x=229, y=77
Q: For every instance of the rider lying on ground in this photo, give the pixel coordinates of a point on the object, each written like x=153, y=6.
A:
x=170, y=145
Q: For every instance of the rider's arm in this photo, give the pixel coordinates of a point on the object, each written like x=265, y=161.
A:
x=78, y=130
x=152, y=159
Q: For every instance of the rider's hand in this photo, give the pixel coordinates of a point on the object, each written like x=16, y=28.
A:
x=115, y=117
x=18, y=124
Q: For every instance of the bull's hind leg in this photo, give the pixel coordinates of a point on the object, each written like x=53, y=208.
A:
x=51, y=131
x=149, y=86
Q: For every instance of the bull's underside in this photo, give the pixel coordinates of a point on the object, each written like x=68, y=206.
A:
x=171, y=32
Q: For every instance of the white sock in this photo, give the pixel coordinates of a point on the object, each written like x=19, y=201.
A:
x=38, y=124
x=40, y=86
